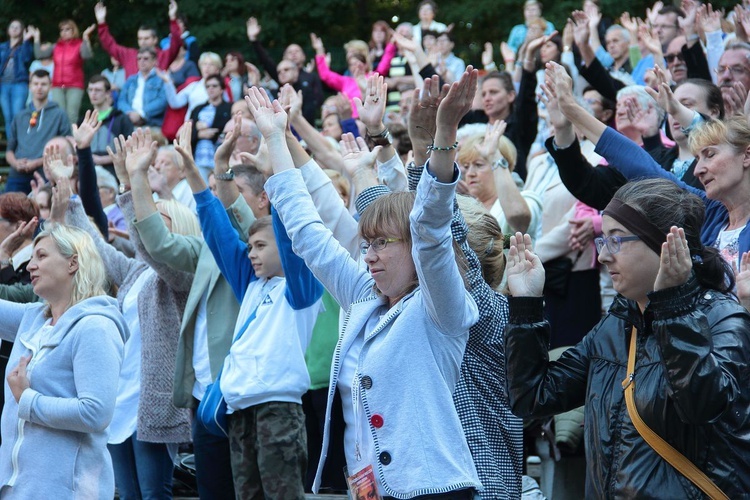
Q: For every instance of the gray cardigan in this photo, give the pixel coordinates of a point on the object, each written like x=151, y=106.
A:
x=160, y=307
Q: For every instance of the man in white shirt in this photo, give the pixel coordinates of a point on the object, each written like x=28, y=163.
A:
x=143, y=97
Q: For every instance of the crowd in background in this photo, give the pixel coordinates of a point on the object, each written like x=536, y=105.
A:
x=415, y=269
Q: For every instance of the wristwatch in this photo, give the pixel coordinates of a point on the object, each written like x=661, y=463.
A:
x=502, y=163
x=382, y=139
x=124, y=188
x=228, y=176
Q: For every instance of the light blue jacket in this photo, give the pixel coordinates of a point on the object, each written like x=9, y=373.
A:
x=55, y=437
x=154, y=98
x=411, y=360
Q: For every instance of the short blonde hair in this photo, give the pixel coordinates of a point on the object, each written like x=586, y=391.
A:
x=184, y=221
x=90, y=279
x=734, y=131
x=469, y=153
x=72, y=24
x=340, y=182
x=485, y=238
x=211, y=57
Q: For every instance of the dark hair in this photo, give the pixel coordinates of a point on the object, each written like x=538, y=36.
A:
x=252, y=175
x=672, y=9
x=241, y=68
x=665, y=205
x=359, y=57
x=714, y=101
x=147, y=50
x=17, y=207
x=218, y=78
x=383, y=26
x=102, y=79
x=401, y=139
x=505, y=79
x=146, y=27
x=184, y=18
x=40, y=73
x=445, y=34
x=431, y=3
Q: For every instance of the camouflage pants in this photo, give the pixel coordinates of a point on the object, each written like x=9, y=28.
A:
x=268, y=451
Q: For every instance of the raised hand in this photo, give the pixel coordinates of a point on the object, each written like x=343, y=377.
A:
x=61, y=193
x=83, y=134
x=630, y=24
x=372, y=111
x=735, y=98
x=261, y=161
x=595, y=16
x=172, y=10
x=645, y=120
x=709, y=19
x=100, y=11
x=567, y=35
x=559, y=85
x=88, y=31
x=664, y=95
x=556, y=118
x=60, y=166
x=534, y=44
x=24, y=232
x=253, y=29
x=524, y=269
x=317, y=44
x=269, y=116
x=118, y=159
x=140, y=152
x=423, y=116
x=163, y=75
x=687, y=23
x=581, y=29
x=458, y=101
x=488, y=148
x=487, y=55
x=183, y=145
x=356, y=155
x=651, y=42
x=224, y=151
x=653, y=12
x=676, y=264
x=507, y=52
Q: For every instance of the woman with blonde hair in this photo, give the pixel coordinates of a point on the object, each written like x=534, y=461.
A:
x=146, y=427
x=60, y=394
x=487, y=163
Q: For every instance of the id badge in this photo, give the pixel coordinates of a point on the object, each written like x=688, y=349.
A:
x=362, y=485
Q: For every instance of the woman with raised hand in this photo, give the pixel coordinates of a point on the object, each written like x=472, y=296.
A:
x=677, y=328
x=146, y=427
x=60, y=392
x=396, y=394
x=721, y=147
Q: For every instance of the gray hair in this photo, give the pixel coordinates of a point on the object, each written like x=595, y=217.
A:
x=616, y=27
x=645, y=100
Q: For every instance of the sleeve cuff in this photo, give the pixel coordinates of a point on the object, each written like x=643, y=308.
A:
x=25, y=403
x=675, y=301
x=525, y=310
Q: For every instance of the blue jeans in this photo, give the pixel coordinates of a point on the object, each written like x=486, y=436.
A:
x=213, y=468
x=142, y=470
x=20, y=184
x=12, y=100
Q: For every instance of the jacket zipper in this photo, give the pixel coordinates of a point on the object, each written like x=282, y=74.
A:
x=20, y=424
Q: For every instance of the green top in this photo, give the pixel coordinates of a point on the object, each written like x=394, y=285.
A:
x=319, y=354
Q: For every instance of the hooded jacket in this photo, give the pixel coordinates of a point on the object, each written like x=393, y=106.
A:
x=28, y=141
x=691, y=375
x=55, y=437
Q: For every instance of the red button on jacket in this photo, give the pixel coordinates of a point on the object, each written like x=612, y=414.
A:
x=376, y=421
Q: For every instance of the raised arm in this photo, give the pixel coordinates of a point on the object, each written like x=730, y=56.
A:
x=88, y=186
x=108, y=42
x=175, y=38
x=448, y=304
x=253, y=31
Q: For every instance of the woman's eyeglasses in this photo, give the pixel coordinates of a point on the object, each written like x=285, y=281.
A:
x=377, y=244
x=613, y=243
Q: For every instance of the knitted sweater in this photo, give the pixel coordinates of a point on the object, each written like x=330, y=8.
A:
x=161, y=303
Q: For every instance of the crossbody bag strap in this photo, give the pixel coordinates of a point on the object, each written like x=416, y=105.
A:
x=660, y=446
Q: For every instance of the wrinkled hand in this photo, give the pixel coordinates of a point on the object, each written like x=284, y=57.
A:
x=253, y=29
x=581, y=233
x=675, y=265
x=269, y=116
x=458, y=101
x=61, y=194
x=84, y=134
x=488, y=148
x=18, y=381
x=372, y=110
x=524, y=269
x=140, y=151
x=60, y=166
x=100, y=11
x=356, y=155
x=735, y=98
x=556, y=118
x=645, y=121
x=559, y=85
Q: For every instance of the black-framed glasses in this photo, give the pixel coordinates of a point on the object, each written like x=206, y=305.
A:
x=613, y=243
x=377, y=244
x=671, y=57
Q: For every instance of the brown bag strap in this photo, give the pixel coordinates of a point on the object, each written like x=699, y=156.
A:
x=660, y=446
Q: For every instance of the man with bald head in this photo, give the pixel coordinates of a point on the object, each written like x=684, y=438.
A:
x=290, y=70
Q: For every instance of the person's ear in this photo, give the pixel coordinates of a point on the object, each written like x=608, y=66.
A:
x=73, y=265
x=263, y=202
x=746, y=158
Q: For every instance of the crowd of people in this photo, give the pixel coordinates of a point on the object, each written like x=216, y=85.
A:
x=400, y=278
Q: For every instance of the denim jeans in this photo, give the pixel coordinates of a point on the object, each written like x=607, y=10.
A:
x=213, y=468
x=12, y=100
x=20, y=183
x=142, y=470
